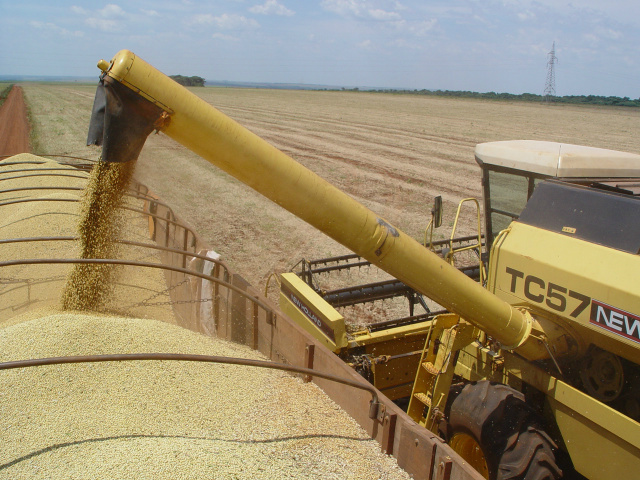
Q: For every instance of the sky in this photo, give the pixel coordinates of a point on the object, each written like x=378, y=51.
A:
x=477, y=45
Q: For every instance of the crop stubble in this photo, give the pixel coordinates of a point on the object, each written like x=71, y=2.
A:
x=393, y=153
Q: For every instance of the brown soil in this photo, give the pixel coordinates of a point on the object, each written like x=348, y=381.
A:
x=14, y=126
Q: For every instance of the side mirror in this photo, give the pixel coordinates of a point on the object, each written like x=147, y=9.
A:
x=436, y=221
x=436, y=212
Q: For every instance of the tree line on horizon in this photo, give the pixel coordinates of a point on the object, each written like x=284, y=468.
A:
x=193, y=81
x=524, y=97
x=196, y=81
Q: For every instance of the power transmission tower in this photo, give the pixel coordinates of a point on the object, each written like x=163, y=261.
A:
x=550, y=87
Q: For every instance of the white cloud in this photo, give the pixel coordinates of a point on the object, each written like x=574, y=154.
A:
x=425, y=26
x=360, y=9
x=365, y=44
x=384, y=15
x=399, y=6
x=205, y=19
x=226, y=21
x=630, y=61
x=343, y=7
x=234, y=22
x=525, y=16
x=226, y=38
x=52, y=27
x=404, y=44
x=111, y=11
x=78, y=10
x=272, y=7
x=419, y=29
x=103, y=24
x=150, y=13
x=109, y=18
x=609, y=33
x=590, y=38
x=602, y=35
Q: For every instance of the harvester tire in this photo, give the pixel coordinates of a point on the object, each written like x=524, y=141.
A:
x=507, y=430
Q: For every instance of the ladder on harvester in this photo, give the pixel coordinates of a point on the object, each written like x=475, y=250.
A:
x=446, y=337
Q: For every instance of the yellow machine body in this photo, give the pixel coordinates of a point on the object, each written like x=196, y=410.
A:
x=571, y=257
x=396, y=351
x=590, y=287
x=311, y=312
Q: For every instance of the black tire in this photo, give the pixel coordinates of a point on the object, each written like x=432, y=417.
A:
x=508, y=431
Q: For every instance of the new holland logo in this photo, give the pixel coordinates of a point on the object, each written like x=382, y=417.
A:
x=615, y=320
x=309, y=313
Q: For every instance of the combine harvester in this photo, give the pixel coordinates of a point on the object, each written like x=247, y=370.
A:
x=534, y=374
x=529, y=368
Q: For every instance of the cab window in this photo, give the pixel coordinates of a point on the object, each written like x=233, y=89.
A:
x=506, y=194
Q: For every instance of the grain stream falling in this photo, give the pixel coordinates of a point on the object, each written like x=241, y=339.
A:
x=89, y=286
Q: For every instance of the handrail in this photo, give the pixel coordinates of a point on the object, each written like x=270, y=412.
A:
x=123, y=242
x=78, y=200
x=120, y=357
x=103, y=261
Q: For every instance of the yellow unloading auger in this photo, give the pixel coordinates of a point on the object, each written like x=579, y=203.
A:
x=134, y=99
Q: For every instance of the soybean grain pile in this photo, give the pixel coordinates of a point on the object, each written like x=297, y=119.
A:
x=161, y=420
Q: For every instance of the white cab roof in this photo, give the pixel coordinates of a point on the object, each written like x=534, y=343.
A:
x=559, y=159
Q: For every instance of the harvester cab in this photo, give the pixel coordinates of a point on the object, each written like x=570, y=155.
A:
x=511, y=170
x=561, y=225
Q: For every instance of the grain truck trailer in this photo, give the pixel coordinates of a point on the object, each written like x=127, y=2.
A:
x=533, y=375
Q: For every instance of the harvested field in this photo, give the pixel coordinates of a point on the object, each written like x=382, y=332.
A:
x=393, y=153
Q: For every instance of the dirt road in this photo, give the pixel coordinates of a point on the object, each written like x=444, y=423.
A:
x=14, y=126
